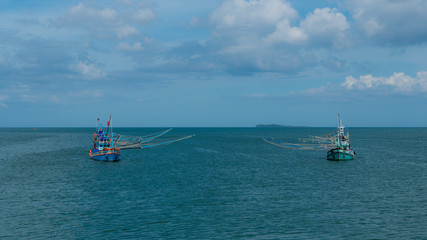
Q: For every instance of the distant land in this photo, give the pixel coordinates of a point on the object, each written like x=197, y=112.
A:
x=277, y=126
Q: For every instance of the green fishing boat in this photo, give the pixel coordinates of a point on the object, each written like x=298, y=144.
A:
x=342, y=149
x=337, y=146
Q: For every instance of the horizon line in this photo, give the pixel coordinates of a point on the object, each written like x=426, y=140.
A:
x=33, y=127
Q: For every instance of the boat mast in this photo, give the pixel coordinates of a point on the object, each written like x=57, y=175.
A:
x=340, y=132
x=99, y=127
x=110, y=129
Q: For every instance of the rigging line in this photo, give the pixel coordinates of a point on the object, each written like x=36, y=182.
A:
x=165, y=143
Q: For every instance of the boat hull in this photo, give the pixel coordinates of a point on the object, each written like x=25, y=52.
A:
x=340, y=154
x=105, y=156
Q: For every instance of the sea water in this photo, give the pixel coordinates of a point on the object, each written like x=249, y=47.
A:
x=224, y=183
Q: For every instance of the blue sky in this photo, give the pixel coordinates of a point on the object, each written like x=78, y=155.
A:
x=213, y=63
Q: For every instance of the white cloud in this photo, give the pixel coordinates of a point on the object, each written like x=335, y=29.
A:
x=325, y=21
x=126, y=31
x=86, y=94
x=145, y=15
x=245, y=30
x=123, y=19
x=393, y=21
x=398, y=82
x=194, y=21
x=235, y=13
x=275, y=21
x=269, y=35
x=20, y=92
x=84, y=11
x=17, y=88
x=3, y=99
x=287, y=34
x=89, y=71
x=126, y=2
x=148, y=40
x=53, y=98
x=257, y=95
x=127, y=47
x=326, y=25
x=314, y=91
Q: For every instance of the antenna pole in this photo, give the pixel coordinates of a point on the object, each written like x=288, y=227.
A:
x=112, y=136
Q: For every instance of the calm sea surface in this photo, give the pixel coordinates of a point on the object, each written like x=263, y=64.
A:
x=225, y=183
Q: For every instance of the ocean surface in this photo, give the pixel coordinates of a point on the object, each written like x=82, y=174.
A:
x=224, y=183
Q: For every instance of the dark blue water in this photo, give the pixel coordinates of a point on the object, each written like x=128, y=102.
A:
x=225, y=183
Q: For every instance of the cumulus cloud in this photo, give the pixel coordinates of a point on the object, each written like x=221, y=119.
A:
x=398, y=22
x=275, y=21
x=127, y=47
x=194, y=21
x=286, y=34
x=3, y=99
x=256, y=95
x=398, y=82
x=314, y=91
x=368, y=86
x=145, y=15
x=269, y=35
x=95, y=21
x=89, y=71
x=126, y=2
x=104, y=22
x=126, y=31
x=21, y=92
x=326, y=26
x=322, y=27
x=84, y=11
x=235, y=13
x=85, y=94
x=17, y=89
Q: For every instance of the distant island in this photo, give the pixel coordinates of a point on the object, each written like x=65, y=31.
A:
x=277, y=126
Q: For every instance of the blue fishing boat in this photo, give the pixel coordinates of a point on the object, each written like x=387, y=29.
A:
x=104, y=148
x=107, y=145
x=337, y=146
